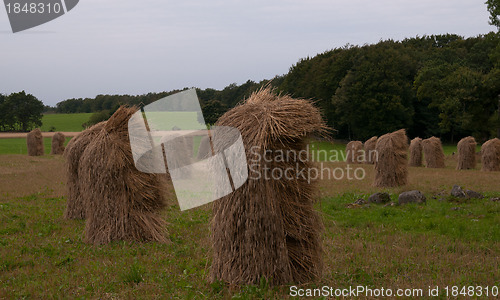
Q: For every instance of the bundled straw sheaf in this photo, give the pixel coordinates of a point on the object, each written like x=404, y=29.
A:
x=490, y=152
x=75, y=208
x=354, y=152
x=433, y=153
x=370, y=153
x=466, y=149
x=57, y=144
x=268, y=228
x=122, y=203
x=34, y=143
x=391, y=169
x=415, y=152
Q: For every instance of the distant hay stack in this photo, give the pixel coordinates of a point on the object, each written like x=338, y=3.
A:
x=268, y=228
x=433, y=153
x=391, y=169
x=58, y=144
x=415, y=152
x=122, y=203
x=490, y=152
x=34, y=143
x=75, y=208
x=370, y=153
x=466, y=149
x=354, y=152
x=204, y=151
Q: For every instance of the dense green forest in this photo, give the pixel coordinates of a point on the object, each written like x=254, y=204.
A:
x=442, y=85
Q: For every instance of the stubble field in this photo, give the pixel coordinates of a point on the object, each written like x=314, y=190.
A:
x=445, y=242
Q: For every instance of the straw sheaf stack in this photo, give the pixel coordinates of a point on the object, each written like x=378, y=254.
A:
x=490, y=152
x=121, y=202
x=75, y=208
x=466, y=149
x=433, y=153
x=57, y=144
x=268, y=229
x=416, y=152
x=354, y=152
x=370, y=153
x=391, y=169
x=34, y=143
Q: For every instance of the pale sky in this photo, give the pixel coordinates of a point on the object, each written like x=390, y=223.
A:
x=136, y=47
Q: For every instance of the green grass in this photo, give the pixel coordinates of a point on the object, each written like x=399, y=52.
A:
x=64, y=122
x=18, y=145
x=34, y=239
x=467, y=220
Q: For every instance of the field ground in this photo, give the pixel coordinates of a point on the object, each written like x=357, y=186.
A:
x=18, y=145
x=64, y=122
x=445, y=242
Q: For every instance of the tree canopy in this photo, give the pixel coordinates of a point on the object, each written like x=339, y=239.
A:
x=20, y=112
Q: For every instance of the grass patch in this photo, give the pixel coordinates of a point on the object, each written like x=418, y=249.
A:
x=64, y=122
x=405, y=246
x=18, y=145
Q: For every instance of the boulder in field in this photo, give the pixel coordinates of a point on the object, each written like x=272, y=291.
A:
x=411, y=197
x=379, y=198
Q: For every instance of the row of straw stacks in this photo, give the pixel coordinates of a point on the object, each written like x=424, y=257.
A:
x=34, y=143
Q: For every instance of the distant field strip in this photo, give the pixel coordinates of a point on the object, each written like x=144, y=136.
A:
x=64, y=122
x=18, y=145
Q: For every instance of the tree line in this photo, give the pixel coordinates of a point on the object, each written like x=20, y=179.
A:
x=436, y=85
x=441, y=85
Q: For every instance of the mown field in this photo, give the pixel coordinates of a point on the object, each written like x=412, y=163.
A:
x=445, y=242
x=64, y=122
x=18, y=145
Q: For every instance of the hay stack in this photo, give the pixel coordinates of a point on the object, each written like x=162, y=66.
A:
x=490, y=158
x=58, y=144
x=466, y=153
x=34, y=142
x=354, y=152
x=370, y=153
x=269, y=228
x=391, y=169
x=433, y=153
x=416, y=152
x=204, y=151
x=75, y=208
x=122, y=203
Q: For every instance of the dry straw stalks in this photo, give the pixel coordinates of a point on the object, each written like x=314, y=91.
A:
x=466, y=149
x=391, y=169
x=34, y=143
x=433, y=153
x=269, y=228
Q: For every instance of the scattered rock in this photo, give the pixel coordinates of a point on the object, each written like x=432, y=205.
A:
x=411, y=197
x=457, y=191
x=390, y=204
x=360, y=201
x=497, y=199
x=379, y=198
x=474, y=195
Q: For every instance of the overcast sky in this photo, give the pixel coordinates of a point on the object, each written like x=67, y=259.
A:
x=136, y=47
